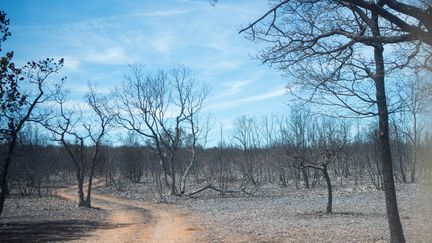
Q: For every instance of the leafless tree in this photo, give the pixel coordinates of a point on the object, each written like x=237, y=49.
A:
x=247, y=137
x=295, y=136
x=96, y=128
x=317, y=146
x=164, y=108
x=399, y=147
x=324, y=46
x=72, y=129
x=417, y=99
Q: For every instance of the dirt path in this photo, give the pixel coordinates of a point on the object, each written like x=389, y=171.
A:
x=138, y=221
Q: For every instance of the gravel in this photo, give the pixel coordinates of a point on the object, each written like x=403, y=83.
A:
x=297, y=215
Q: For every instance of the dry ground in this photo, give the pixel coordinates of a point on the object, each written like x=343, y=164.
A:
x=273, y=215
x=291, y=215
x=114, y=220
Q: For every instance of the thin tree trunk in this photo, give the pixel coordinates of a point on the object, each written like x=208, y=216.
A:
x=80, y=178
x=191, y=163
x=305, y=177
x=91, y=174
x=329, y=190
x=89, y=187
x=186, y=173
x=173, y=177
x=399, y=150
x=414, y=162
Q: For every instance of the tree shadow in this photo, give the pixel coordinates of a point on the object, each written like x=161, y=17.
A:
x=320, y=214
x=334, y=214
x=51, y=231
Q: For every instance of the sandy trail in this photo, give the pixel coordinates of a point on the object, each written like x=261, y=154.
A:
x=138, y=221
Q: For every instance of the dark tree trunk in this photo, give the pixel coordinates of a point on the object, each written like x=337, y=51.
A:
x=7, y=162
x=329, y=190
x=89, y=188
x=305, y=177
x=80, y=178
x=91, y=174
x=399, y=152
x=414, y=162
x=173, y=177
x=401, y=165
x=413, y=169
x=396, y=231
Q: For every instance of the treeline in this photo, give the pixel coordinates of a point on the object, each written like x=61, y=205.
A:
x=296, y=151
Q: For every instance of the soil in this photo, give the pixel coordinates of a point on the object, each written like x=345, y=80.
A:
x=48, y=219
x=111, y=220
x=288, y=214
x=274, y=214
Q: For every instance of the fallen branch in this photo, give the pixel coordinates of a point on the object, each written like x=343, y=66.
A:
x=210, y=186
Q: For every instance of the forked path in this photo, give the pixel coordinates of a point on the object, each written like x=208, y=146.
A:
x=138, y=221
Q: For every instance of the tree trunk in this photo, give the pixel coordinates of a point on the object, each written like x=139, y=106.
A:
x=305, y=177
x=399, y=151
x=80, y=178
x=89, y=186
x=396, y=231
x=414, y=162
x=173, y=177
x=185, y=175
x=7, y=162
x=329, y=190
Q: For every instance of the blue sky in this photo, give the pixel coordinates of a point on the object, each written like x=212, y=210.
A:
x=98, y=38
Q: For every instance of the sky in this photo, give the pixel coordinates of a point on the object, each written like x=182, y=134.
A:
x=99, y=38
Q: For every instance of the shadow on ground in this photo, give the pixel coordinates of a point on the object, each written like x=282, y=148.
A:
x=43, y=231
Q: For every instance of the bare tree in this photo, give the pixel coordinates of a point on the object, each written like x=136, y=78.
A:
x=296, y=134
x=416, y=94
x=316, y=145
x=198, y=128
x=323, y=46
x=163, y=108
x=247, y=138
x=97, y=130
x=66, y=128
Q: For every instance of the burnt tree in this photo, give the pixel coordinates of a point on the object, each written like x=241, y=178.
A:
x=323, y=45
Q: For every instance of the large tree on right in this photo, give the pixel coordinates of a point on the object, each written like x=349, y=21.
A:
x=349, y=54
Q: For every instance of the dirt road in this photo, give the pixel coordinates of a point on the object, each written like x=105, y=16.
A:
x=138, y=221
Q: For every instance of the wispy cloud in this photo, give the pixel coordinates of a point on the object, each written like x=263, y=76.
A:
x=166, y=13
x=163, y=44
x=234, y=87
x=250, y=99
x=110, y=55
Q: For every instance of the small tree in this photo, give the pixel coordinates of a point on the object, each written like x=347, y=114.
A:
x=247, y=139
x=66, y=128
x=97, y=130
x=321, y=144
